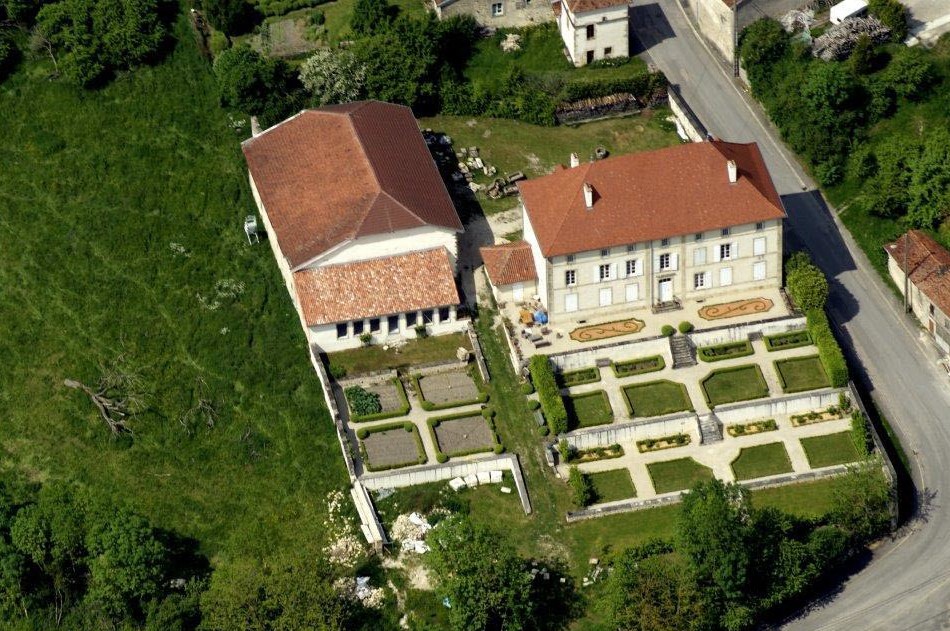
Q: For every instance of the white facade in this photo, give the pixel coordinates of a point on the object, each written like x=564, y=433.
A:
x=847, y=9
x=928, y=314
x=385, y=329
x=390, y=244
x=595, y=34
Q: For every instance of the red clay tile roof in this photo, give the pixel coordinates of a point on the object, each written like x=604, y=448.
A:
x=580, y=6
x=651, y=195
x=376, y=287
x=509, y=263
x=929, y=264
x=327, y=176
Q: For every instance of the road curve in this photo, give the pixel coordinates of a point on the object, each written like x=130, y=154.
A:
x=907, y=583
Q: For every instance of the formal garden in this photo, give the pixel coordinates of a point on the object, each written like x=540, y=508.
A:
x=798, y=374
x=376, y=401
x=588, y=409
x=449, y=389
x=391, y=446
x=464, y=434
x=641, y=366
x=737, y=383
x=761, y=461
x=677, y=475
x=656, y=398
x=830, y=450
x=613, y=485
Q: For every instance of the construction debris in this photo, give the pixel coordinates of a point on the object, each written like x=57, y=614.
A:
x=839, y=40
x=511, y=43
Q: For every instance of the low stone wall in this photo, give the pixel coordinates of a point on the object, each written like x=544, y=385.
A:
x=367, y=379
x=769, y=408
x=438, y=472
x=618, y=351
x=688, y=121
x=479, y=357
x=369, y=521
x=738, y=332
x=334, y=413
x=631, y=431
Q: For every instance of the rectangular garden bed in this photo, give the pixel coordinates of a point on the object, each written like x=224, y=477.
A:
x=596, y=453
x=613, y=485
x=588, y=409
x=761, y=461
x=666, y=442
x=376, y=401
x=656, y=398
x=391, y=446
x=785, y=341
x=830, y=449
x=450, y=389
x=799, y=374
x=755, y=427
x=578, y=377
x=740, y=383
x=643, y=365
x=720, y=352
x=677, y=475
x=831, y=414
x=463, y=434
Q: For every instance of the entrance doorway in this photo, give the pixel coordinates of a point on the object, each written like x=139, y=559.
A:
x=666, y=290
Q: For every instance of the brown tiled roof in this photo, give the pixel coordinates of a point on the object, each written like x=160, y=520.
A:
x=580, y=6
x=509, y=263
x=929, y=265
x=376, y=287
x=327, y=176
x=651, y=195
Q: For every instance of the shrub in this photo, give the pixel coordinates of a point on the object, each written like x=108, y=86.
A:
x=533, y=404
x=832, y=359
x=422, y=331
x=362, y=401
x=362, y=433
x=893, y=15
x=564, y=449
x=543, y=430
x=218, y=43
x=409, y=427
x=582, y=490
x=499, y=448
x=441, y=458
x=807, y=285
x=860, y=434
x=667, y=330
x=542, y=375
x=366, y=339
x=337, y=371
x=729, y=350
x=8, y=54
x=844, y=402
x=527, y=388
x=685, y=327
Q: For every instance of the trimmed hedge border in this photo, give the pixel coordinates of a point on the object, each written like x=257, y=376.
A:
x=828, y=350
x=618, y=367
x=400, y=411
x=781, y=376
x=774, y=342
x=758, y=372
x=704, y=353
x=542, y=376
x=496, y=446
x=364, y=432
x=562, y=378
x=429, y=406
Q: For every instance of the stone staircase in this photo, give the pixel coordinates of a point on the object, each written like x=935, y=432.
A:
x=682, y=350
x=710, y=429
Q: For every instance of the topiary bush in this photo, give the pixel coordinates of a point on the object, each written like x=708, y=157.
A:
x=806, y=283
x=441, y=458
x=527, y=388
x=362, y=401
x=685, y=327
x=582, y=490
x=533, y=404
x=362, y=433
x=667, y=330
x=499, y=449
x=542, y=375
x=409, y=427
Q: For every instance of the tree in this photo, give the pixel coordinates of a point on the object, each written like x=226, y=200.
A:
x=761, y=45
x=862, y=56
x=929, y=190
x=400, y=61
x=893, y=15
x=333, y=76
x=582, y=491
x=371, y=17
x=230, y=16
x=9, y=53
x=250, y=82
x=862, y=503
x=808, y=286
x=910, y=73
x=487, y=584
x=21, y=11
x=888, y=189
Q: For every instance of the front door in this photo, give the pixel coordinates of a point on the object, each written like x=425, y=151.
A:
x=666, y=290
x=517, y=292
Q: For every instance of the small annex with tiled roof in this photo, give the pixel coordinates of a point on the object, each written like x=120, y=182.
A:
x=654, y=228
x=928, y=283
x=510, y=270
x=593, y=29
x=345, y=185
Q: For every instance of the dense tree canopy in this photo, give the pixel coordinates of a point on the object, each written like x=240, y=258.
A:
x=400, y=62
x=332, y=76
x=255, y=84
x=230, y=16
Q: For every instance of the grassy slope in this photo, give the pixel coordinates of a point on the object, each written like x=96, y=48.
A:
x=97, y=188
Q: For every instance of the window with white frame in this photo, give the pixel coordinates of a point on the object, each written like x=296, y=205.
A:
x=725, y=251
x=699, y=256
x=700, y=281
x=341, y=330
x=605, y=252
x=758, y=246
x=570, y=277
x=699, y=236
x=725, y=232
x=497, y=9
x=633, y=267
x=603, y=271
x=725, y=276
x=633, y=292
x=569, y=258
x=664, y=242
x=760, y=226
x=758, y=270
x=632, y=248
x=666, y=261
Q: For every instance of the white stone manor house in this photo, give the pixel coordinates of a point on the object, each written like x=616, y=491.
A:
x=653, y=229
x=360, y=222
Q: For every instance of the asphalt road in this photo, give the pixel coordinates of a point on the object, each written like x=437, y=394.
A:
x=906, y=585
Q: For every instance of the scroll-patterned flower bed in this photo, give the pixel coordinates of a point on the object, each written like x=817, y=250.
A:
x=736, y=308
x=593, y=332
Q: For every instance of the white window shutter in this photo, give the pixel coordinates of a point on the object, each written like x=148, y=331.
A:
x=735, y=250
x=613, y=271
x=707, y=280
x=674, y=261
x=597, y=273
x=622, y=270
x=717, y=252
x=656, y=262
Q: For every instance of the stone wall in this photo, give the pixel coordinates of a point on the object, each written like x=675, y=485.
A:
x=770, y=408
x=619, y=351
x=686, y=120
x=632, y=431
x=717, y=24
x=515, y=13
x=738, y=332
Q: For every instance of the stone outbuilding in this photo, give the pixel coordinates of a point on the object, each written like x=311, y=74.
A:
x=928, y=283
x=593, y=29
x=510, y=269
x=497, y=13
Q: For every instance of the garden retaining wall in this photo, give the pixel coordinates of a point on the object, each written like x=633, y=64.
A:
x=658, y=427
x=762, y=409
x=618, y=351
x=438, y=472
x=741, y=332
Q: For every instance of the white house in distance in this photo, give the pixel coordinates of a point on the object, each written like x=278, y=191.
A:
x=928, y=282
x=593, y=29
x=652, y=229
x=361, y=224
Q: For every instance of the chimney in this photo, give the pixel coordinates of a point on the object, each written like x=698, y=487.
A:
x=255, y=127
x=588, y=195
x=575, y=161
x=733, y=171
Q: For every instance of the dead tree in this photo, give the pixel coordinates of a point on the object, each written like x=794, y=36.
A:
x=118, y=397
x=202, y=412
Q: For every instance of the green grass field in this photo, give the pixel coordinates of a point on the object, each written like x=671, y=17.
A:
x=121, y=242
x=612, y=485
x=741, y=383
x=761, y=461
x=677, y=475
x=801, y=373
x=586, y=410
x=656, y=398
x=830, y=449
x=418, y=351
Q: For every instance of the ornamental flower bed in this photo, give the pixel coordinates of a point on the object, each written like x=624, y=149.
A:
x=666, y=442
x=755, y=427
x=831, y=414
x=596, y=453
x=643, y=365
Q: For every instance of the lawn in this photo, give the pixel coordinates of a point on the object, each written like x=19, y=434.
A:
x=830, y=449
x=413, y=352
x=729, y=385
x=677, y=475
x=656, y=398
x=121, y=244
x=801, y=373
x=514, y=146
x=612, y=485
x=586, y=410
x=761, y=461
